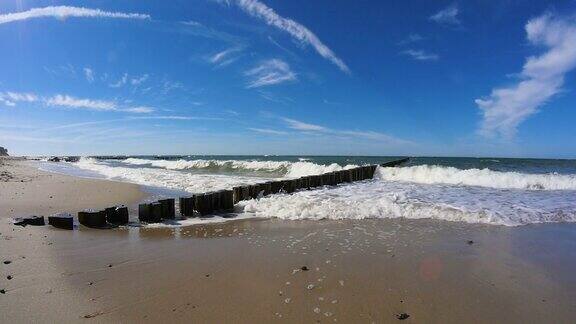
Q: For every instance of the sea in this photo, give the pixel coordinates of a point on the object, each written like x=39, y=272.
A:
x=494, y=191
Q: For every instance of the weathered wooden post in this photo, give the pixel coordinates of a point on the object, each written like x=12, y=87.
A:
x=215, y=199
x=227, y=200
x=332, y=178
x=287, y=186
x=156, y=211
x=314, y=181
x=373, y=171
x=203, y=204
x=144, y=212
x=168, y=209
x=237, y=194
x=276, y=186
x=338, y=177
x=267, y=188
x=355, y=174
x=92, y=219
x=325, y=179
x=305, y=183
x=32, y=220
x=187, y=206
x=360, y=173
x=365, y=172
x=245, y=193
x=347, y=175
x=253, y=190
x=117, y=215
x=150, y=213
x=62, y=221
x=295, y=183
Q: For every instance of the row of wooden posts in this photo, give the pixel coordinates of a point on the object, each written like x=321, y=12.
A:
x=223, y=201
x=218, y=202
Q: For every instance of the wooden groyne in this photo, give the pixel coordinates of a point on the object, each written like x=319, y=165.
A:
x=219, y=202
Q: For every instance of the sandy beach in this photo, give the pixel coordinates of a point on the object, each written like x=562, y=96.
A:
x=261, y=271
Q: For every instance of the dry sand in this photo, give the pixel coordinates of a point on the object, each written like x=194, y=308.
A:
x=249, y=271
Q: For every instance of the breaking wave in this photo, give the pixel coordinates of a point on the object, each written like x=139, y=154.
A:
x=432, y=174
x=281, y=168
x=171, y=179
x=378, y=199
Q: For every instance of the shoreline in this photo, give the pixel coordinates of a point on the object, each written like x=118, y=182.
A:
x=32, y=191
x=249, y=271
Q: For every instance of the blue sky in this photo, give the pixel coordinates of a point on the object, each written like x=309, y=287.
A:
x=462, y=78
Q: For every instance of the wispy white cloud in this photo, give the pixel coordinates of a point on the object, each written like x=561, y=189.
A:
x=448, y=15
x=139, y=110
x=135, y=81
x=121, y=82
x=225, y=57
x=89, y=74
x=168, y=86
x=542, y=77
x=268, y=131
x=259, y=10
x=420, y=55
x=270, y=72
x=373, y=136
x=192, y=23
x=72, y=102
x=302, y=126
x=66, y=101
x=67, y=70
x=370, y=135
x=11, y=98
x=411, y=38
x=63, y=12
x=169, y=117
x=218, y=57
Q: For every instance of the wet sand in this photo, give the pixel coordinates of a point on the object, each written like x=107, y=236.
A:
x=250, y=271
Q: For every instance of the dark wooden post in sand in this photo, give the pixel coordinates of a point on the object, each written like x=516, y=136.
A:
x=117, y=215
x=168, y=209
x=203, y=204
x=157, y=210
x=237, y=194
x=150, y=213
x=227, y=200
x=92, y=219
x=63, y=221
x=215, y=198
x=187, y=206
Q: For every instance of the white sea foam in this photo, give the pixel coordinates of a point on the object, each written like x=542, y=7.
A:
x=198, y=221
x=171, y=179
x=378, y=199
x=286, y=168
x=433, y=174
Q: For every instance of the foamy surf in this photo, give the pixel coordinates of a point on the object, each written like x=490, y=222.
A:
x=170, y=179
x=380, y=199
x=472, y=195
x=281, y=168
x=432, y=174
